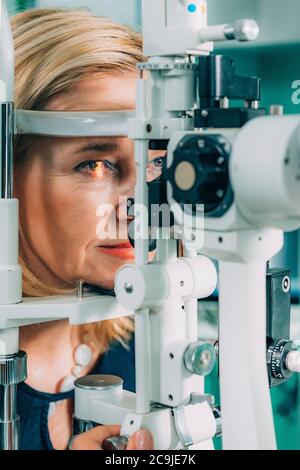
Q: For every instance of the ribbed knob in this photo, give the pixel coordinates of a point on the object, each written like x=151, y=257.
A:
x=13, y=369
x=200, y=358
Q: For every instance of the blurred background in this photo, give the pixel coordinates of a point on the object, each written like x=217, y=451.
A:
x=275, y=58
x=125, y=11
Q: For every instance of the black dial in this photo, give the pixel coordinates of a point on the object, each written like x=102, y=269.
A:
x=279, y=350
x=199, y=174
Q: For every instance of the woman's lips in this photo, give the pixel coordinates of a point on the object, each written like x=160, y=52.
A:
x=124, y=251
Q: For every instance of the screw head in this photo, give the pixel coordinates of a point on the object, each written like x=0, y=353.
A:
x=128, y=287
x=286, y=284
x=200, y=358
x=205, y=358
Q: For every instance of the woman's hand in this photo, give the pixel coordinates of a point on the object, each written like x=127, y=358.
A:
x=93, y=439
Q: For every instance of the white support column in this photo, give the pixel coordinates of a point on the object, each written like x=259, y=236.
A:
x=191, y=308
x=142, y=321
x=247, y=418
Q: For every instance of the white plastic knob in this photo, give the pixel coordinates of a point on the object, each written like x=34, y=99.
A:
x=246, y=30
x=292, y=361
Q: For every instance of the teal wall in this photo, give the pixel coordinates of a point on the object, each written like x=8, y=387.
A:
x=16, y=6
x=124, y=11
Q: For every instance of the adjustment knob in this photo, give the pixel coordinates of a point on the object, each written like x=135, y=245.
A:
x=278, y=355
x=115, y=443
x=13, y=368
x=246, y=30
x=293, y=361
x=242, y=30
x=200, y=358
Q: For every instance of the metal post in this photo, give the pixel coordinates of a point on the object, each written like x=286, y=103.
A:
x=13, y=370
x=6, y=151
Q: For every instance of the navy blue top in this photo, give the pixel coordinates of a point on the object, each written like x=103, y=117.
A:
x=33, y=406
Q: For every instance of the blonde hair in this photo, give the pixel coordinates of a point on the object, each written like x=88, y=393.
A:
x=55, y=48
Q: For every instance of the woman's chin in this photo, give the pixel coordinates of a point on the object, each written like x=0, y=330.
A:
x=104, y=276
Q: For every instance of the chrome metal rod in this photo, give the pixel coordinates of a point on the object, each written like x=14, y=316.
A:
x=9, y=420
x=6, y=150
x=8, y=402
x=13, y=370
x=9, y=434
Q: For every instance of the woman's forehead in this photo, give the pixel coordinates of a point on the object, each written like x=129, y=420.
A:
x=98, y=92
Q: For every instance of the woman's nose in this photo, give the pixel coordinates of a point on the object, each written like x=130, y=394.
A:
x=124, y=217
x=124, y=214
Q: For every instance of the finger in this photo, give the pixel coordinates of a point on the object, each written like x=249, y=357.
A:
x=92, y=440
x=141, y=440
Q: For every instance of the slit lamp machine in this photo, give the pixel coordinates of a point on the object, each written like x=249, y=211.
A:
x=233, y=175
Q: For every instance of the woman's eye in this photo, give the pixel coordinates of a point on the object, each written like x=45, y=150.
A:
x=97, y=169
x=158, y=162
x=154, y=169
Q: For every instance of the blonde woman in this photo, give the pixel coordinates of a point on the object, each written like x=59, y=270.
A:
x=70, y=60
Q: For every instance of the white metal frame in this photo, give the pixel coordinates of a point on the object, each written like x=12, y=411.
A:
x=70, y=124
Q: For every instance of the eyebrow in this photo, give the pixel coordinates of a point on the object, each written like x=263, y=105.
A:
x=102, y=147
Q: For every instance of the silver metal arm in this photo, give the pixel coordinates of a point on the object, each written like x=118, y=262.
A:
x=72, y=124
x=6, y=57
x=6, y=103
x=6, y=150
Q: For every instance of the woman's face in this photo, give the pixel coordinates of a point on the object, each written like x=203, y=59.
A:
x=62, y=183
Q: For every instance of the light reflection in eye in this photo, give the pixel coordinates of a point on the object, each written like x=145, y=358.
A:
x=97, y=168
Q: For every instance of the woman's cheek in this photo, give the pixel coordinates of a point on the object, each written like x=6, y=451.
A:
x=92, y=213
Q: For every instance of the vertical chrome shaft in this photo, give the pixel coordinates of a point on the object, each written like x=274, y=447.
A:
x=6, y=150
x=9, y=420
x=80, y=286
x=13, y=370
x=12, y=363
